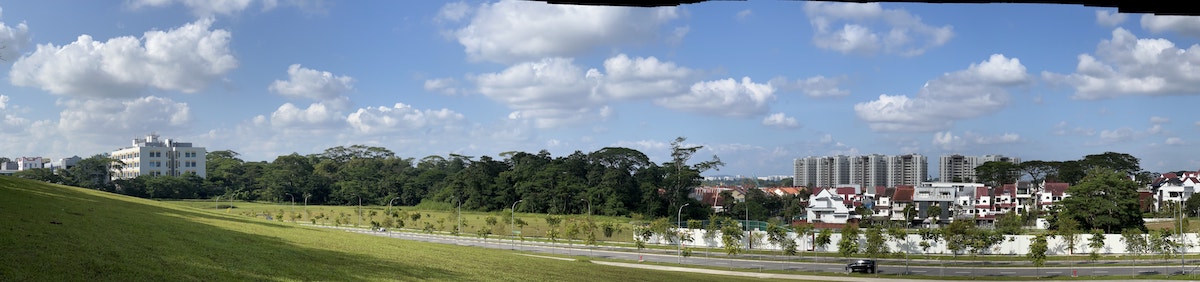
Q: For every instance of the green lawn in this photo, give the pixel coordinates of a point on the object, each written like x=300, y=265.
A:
x=57, y=233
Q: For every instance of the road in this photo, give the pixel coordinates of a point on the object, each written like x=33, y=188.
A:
x=835, y=265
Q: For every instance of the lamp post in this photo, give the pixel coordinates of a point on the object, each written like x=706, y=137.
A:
x=293, y=198
x=513, y=223
x=389, y=209
x=306, y=195
x=589, y=201
x=217, y=203
x=679, y=220
x=359, y=210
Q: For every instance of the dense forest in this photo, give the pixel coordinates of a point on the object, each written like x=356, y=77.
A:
x=609, y=181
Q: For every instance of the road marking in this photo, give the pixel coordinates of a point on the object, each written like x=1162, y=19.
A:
x=1053, y=272
x=1007, y=272
x=917, y=271
x=962, y=272
x=1100, y=271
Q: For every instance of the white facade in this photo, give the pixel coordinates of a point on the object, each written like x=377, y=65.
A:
x=153, y=157
x=27, y=163
x=1175, y=189
x=869, y=171
x=827, y=207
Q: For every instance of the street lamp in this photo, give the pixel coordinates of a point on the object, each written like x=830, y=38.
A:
x=679, y=220
x=306, y=195
x=511, y=231
x=589, y=201
x=217, y=203
x=359, y=209
x=389, y=209
x=293, y=198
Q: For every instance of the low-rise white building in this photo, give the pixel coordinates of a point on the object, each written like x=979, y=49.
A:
x=1173, y=188
x=151, y=156
x=828, y=207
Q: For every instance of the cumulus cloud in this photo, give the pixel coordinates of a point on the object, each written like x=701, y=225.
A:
x=184, y=59
x=127, y=117
x=742, y=15
x=1185, y=25
x=1158, y=119
x=1110, y=18
x=9, y=121
x=209, y=8
x=447, y=86
x=15, y=39
x=312, y=84
x=317, y=117
x=1117, y=135
x=513, y=31
x=627, y=78
x=979, y=90
x=1174, y=141
x=950, y=142
x=865, y=28
x=454, y=12
x=726, y=97
x=553, y=91
x=401, y=118
x=1128, y=66
x=816, y=86
x=781, y=121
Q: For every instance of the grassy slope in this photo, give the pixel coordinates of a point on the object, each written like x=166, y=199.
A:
x=57, y=233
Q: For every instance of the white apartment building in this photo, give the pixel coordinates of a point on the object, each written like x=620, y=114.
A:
x=152, y=156
x=959, y=168
x=869, y=171
x=908, y=169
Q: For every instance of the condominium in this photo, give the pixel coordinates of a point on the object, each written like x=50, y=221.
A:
x=867, y=171
x=154, y=157
x=959, y=168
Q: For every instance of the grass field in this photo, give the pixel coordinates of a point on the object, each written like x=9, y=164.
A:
x=57, y=233
x=440, y=220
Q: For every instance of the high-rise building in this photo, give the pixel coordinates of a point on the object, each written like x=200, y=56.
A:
x=151, y=156
x=869, y=171
x=908, y=169
x=959, y=168
x=866, y=171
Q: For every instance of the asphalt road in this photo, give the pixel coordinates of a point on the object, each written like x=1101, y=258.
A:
x=832, y=265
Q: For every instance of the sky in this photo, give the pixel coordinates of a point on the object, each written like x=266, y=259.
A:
x=756, y=83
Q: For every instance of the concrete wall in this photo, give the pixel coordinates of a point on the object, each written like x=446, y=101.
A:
x=1011, y=245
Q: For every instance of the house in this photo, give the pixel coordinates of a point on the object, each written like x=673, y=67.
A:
x=1007, y=199
x=1174, y=188
x=881, y=201
x=1051, y=194
x=902, y=198
x=827, y=206
x=948, y=196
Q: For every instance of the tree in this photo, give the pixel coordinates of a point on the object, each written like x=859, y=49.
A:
x=848, y=245
x=1009, y=223
x=929, y=237
x=1161, y=243
x=1120, y=162
x=1135, y=243
x=996, y=173
x=802, y=231
x=731, y=236
x=876, y=242
x=982, y=240
x=778, y=235
x=958, y=235
x=1096, y=242
x=46, y=175
x=1192, y=206
x=1068, y=228
x=1037, y=252
x=935, y=212
x=898, y=233
x=681, y=177
x=824, y=238
x=1105, y=200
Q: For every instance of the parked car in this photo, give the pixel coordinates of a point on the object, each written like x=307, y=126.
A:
x=862, y=265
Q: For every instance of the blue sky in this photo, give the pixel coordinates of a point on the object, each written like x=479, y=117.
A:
x=757, y=83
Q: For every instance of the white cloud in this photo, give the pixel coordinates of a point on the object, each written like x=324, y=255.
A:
x=626, y=78
x=553, y=92
x=1117, y=135
x=402, y=118
x=1174, y=141
x=950, y=142
x=15, y=39
x=979, y=90
x=742, y=15
x=781, y=121
x=868, y=27
x=1110, y=18
x=1128, y=66
x=726, y=97
x=9, y=121
x=447, y=86
x=454, y=12
x=1158, y=119
x=816, y=86
x=209, y=8
x=183, y=59
x=3, y=102
x=312, y=84
x=1185, y=25
x=513, y=31
x=123, y=117
x=318, y=117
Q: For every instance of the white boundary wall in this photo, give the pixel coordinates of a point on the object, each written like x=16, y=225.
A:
x=1011, y=245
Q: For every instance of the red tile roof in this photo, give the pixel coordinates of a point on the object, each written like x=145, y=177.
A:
x=981, y=192
x=1056, y=188
x=903, y=194
x=846, y=191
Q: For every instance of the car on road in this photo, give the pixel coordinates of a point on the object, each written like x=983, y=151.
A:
x=862, y=265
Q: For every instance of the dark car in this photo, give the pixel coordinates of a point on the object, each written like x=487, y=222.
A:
x=862, y=265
